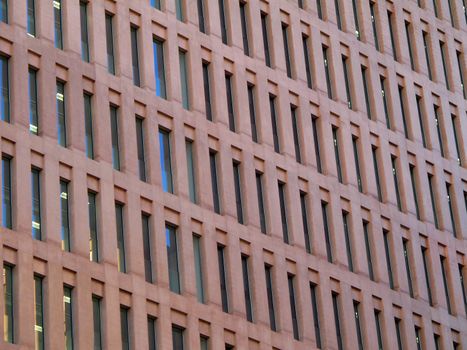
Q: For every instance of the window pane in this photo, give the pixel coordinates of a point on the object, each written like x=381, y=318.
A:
x=177, y=338
x=165, y=161
x=33, y=102
x=314, y=306
x=223, y=21
x=214, y=182
x=207, y=91
x=306, y=231
x=152, y=333
x=327, y=73
x=61, y=114
x=244, y=23
x=314, y=124
x=124, y=327
x=172, y=258
x=110, y=43
x=270, y=295
x=120, y=237
x=238, y=191
x=140, y=148
x=97, y=331
x=159, y=68
x=93, y=233
x=285, y=39
x=327, y=236
x=369, y=255
x=84, y=31
x=261, y=209
x=36, y=204
x=264, y=28
x=58, y=23
x=114, y=129
x=201, y=22
x=293, y=310
x=8, y=330
x=39, y=332
x=223, y=278
x=88, y=126
x=4, y=11
x=407, y=265
x=275, y=133
x=4, y=90
x=251, y=105
x=198, y=268
x=7, y=217
x=65, y=215
x=337, y=322
x=335, y=139
x=246, y=289
x=146, y=230
x=182, y=57
x=296, y=137
x=135, y=55
x=68, y=315
x=306, y=54
x=282, y=203
x=230, y=101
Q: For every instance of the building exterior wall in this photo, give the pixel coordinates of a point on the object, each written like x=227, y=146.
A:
x=28, y=257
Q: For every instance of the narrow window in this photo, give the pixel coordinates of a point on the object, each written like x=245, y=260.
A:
x=36, y=203
x=335, y=141
x=39, y=331
x=238, y=190
x=306, y=54
x=442, y=47
x=293, y=307
x=436, y=339
x=374, y=24
x=261, y=208
x=246, y=289
x=140, y=148
x=201, y=21
x=275, y=131
x=110, y=43
x=397, y=323
x=435, y=8
x=374, y=151
x=207, y=91
x=378, y=329
x=89, y=139
x=445, y=283
x=172, y=258
x=146, y=231
x=125, y=327
x=327, y=235
x=414, y=189
x=427, y=53
x=328, y=73
x=438, y=129
x=369, y=257
x=177, y=338
x=355, y=18
x=93, y=232
x=319, y=9
x=396, y=182
x=96, y=322
x=300, y=4
x=391, y=32
x=152, y=340
x=8, y=299
x=182, y=58
x=338, y=14
x=159, y=68
x=456, y=138
x=285, y=40
x=408, y=29
x=165, y=161
x=244, y=23
x=348, y=243
x=296, y=137
x=463, y=285
x=4, y=90
x=285, y=229
x=427, y=275
x=365, y=90
x=461, y=73
x=433, y=200
x=68, y=316
x=264, y=29
x=421, y=119
x=222, y=278
x=4, y=11
x=270, y=294
x=314, y=306
x=251, y=104
x=65, y=215
x=451, y=14
x=214, y=181
x=387, y=251
x=114, y=129
x=7, y=217
x=418, y=336
x=31, y=21
x=33, y=101
x=230, y=101
x=337, y=323
x=403, y=113
x=58, y=23
x=135, y=55
x=382, y=81
x=61, y=114
x=356, y=311
x=405, y=248
x=179, y=10
x=451, y=209
x=190, y=164
x=314, y=124
x=223, y=21
x=306, y=231
x=198, y=269
x=345, y=66
x=83, y=15
x=120, y=237
x=357, y=162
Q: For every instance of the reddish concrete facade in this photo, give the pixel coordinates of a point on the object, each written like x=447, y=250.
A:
x=361, y=191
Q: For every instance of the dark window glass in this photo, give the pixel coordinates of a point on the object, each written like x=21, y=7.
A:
x=314, y=124
x=246, y=289
x=451, y=14
x=8, y=309
x=382, y=81
x=159, y=67
x=427, y=53
x=140, y=148
x=397, y=323
x=327, y=73
x=427, y=275
x=7, y=217
x=125, y=327
x=31, y=21
x=39, y=331
x=451, y=209
x=327, y=234
x=223, y=21
x=414, y=189
x=182, y=58
x=369, y=255
x=391, y=33
x=438, y=129
x=435, y=8
x=177, y=338
x=244, y=23
x=61, y=114
x=179, y=10
x=165, y=161
x=314, y=306
x=463, y=285
x=348, y=243
x=68, y=315
x=152, y=340
x=296, y=137
x=306, y=231
x=355, y=19
x=146, y=231
x=459, y=57
x=374, y=24
x=93, y=232
x=238, y=191
x=264, y=29
x=408, y=36
x=198, y=268
x=191, y=170
x=114, y=129
x=201, y=21
x=282, y=203
x=433, y=200
x=4, y=11
x=335, y=141
x=4, y=90
x=396, y=181
x=418, y=338
x=357, y=162
x=83, y=14
x=387, y=251
x=337, y=323
x=319, y=9
x=444, y=59
x=36, y=204
x=58, y=23
x=444, y=273
x=207, y=91
x=338, y=14
x=251, y=104
x=96, y=321
x=436, y=339
x=89, y=142
x=293, y=308
x=65, y=215
x=110, y=43
x=135, y=55
x=120, y=237
x=285, y=39
x=405, y=247
x=270, y=294
x=345, y=66
x=403, y=113
x=214, y=181
x=156, y=4
x=374, y=151
x=365, y=91
x=356, y=311
x=223, y=278
x=456, y=138
x=306, y=54
x=261, y=208
x=378, y=329
x=172, y=258
x=275, y=132
x=230, y=101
